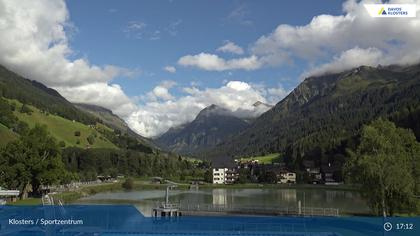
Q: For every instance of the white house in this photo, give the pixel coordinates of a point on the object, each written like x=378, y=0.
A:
x=219, y=175
x=287, y=177
x=223, y=175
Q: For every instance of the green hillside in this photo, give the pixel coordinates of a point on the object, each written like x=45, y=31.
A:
x=109, y=119
x=14, y=86
x=6, y=135
x=266, y=159
x=63, y=129
x=322, y=117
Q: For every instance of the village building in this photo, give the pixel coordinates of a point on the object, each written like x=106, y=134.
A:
x=225, y=174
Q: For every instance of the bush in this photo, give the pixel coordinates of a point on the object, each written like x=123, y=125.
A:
x=91, y=139
x=77, y=133
x=62, y=144
x=78, y=141
x=128, y=184
x=25, y=109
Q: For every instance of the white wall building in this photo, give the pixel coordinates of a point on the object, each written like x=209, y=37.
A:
x=287, y=177
x=219, y=175
x=223, y=175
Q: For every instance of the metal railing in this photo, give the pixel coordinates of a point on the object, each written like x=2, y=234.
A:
x=265, y=210
x=169, y=205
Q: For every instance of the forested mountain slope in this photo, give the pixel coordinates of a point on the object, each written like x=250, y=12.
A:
x=323, y=113
x=211, y=126
x=13, y=86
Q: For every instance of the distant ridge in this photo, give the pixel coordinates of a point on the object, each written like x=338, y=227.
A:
x=110, y=119
x=212, y=125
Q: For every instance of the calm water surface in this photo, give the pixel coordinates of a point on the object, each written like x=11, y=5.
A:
x=145, y=200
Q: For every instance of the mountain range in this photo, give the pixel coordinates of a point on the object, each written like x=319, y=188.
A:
x=318, y=120
x=322, y=116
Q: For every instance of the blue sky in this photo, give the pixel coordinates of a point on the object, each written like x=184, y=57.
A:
x=175, y=28
x=229, y=53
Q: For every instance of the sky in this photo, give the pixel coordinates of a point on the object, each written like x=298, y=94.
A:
x=157, y=63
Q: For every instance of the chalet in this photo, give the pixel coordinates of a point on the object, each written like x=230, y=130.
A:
x=329, y=173
x=283, y=174
x=104, y=178
x=232, y=175
x=286, y=177
x=314, y=173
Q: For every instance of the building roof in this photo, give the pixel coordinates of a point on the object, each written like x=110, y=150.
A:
x=225, y=163
x=330, y=168
x=308, y=163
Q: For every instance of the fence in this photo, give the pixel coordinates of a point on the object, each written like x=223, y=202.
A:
x=259, y=210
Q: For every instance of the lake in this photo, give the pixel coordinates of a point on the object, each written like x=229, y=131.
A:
x=348, y=202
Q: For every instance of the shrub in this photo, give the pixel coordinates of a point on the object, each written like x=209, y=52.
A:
x=62, y=144
x=77, y=133
x=91, y=139
x=25, y=109
x=128, y=184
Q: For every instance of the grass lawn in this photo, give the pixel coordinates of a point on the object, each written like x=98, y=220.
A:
x=191, y=159
x=6, y=135
x=62, y=129
x=27, y=202
x=267, y=159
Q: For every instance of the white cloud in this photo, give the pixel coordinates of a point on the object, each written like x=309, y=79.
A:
x=238, y=85
x=231, y=47
x=347, y=40
x=101, y=94
x=33, y=42
x=335, y=41
x=348, y=59
x=161, y=92
x=135, y=25
x=240, y=15
x=136, y=29
x=172, y=28
x=212, y=62
x=155, y=117
x=274, y=95
x=170, y=69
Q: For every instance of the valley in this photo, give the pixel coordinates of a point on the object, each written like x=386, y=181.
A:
x=309, y=135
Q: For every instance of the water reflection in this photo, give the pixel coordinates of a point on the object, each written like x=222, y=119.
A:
x=145, y=200
x=220, y=197
x=288, y=195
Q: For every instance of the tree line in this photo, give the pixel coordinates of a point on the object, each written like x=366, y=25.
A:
x=36, y=159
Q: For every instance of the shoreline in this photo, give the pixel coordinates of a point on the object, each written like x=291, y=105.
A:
x=70, y=196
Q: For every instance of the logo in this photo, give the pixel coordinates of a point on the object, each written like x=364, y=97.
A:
x=382, y=11
x=391, y=10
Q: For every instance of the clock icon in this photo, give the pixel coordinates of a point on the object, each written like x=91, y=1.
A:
x=387, y=226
